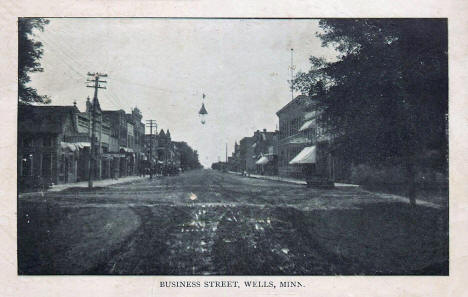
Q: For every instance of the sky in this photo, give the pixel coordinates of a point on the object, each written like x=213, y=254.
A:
x=163, y=66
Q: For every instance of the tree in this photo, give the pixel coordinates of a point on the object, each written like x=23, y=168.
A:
x=29, y=54
x=387, y=95
x=188, y=157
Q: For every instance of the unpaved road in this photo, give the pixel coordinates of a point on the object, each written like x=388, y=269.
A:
x=209, y=223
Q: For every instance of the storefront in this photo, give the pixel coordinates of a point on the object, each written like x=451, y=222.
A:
x=68, y=163
x=315, y=166
x=267, y=164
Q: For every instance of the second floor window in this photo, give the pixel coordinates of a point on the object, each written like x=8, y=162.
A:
x=27, y=165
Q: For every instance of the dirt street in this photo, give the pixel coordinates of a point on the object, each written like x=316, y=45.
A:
x=209, y=223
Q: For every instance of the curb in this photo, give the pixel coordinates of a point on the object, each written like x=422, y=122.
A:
x=57, y=190
x=298, y=182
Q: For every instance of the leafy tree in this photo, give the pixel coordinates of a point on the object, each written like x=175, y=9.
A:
x=188, y=157
x=387, y=95
x=29, y=54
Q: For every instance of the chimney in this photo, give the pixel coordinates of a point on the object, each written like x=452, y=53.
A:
x=88, y=105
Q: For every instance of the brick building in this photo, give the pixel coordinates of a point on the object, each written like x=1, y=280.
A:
x=164, y=150
x=129, y=132
x=265, y=152
x=247, y=154
x=291, y=139
x=305, y=148
x=234, y=159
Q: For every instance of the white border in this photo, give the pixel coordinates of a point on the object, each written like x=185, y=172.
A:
x=456, y=11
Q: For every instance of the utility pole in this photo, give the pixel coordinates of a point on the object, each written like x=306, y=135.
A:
x=278, y=150
x=151, y=123
x=96, y=86
x=292, y=67
x=226, y=165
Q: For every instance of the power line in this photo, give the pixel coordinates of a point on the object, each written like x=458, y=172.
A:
x=68, y=61
x=65, y=61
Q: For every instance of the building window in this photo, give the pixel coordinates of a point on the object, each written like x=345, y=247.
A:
x=27, y=165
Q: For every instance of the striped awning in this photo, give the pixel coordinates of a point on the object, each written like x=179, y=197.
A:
x=307, y=125
x=307, y=156
x=68, y=146
x=262, y=161
x=309, y=115
x=82, y=144
x=126, y=149
x=299, y=140
x=107, y=156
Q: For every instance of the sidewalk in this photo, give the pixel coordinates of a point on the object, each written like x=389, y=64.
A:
x=290, y=180
x=84, y=184
x=341, y=185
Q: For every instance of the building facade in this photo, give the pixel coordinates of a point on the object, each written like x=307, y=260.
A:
x=54, y=144
x=265, y=152
x=246, y=154
x=44, y=154
x=305, y=147
x=291, y=139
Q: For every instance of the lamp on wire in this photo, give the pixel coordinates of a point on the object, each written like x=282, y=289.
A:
x=203, y=113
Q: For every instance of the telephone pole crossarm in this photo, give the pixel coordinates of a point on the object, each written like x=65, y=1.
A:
x=151, y=123
x=93, y=154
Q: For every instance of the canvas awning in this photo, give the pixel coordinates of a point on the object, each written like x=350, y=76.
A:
x=81, y=145
x=262, y=161
x=307, y=156
x=307, y=125
x=107, y=156
x=299, y=140
x=126, y=149
x=309, y=115
x=68, y=146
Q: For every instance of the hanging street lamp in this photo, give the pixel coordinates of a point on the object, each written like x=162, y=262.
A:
x=202, y=113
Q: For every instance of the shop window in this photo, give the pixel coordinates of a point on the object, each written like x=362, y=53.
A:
x=27, y=165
